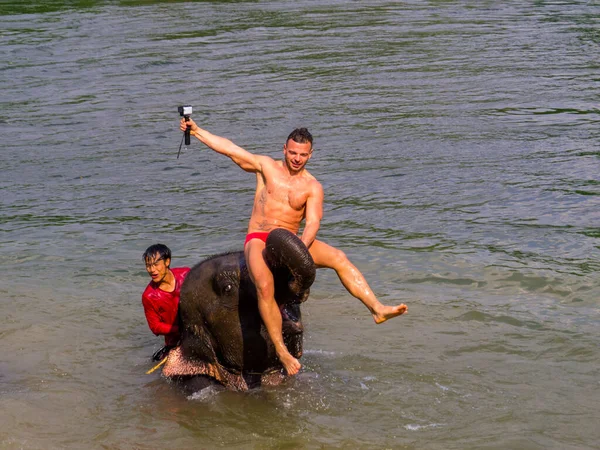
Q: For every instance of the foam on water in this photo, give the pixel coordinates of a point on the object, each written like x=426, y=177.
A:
x=206, y=394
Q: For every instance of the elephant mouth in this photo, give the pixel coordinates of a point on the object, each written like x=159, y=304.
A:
x=177, y=365
x=290, y=322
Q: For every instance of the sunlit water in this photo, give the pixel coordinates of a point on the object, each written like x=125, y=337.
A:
x=458, y=145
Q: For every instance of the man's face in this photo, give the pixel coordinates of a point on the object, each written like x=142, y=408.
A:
x=157, y=268
x=296, y=155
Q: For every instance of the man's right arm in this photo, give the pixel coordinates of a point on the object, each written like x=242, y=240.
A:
x=243, y=158
x=313, y=213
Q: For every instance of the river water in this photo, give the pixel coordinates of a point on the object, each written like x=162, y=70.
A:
x=458, y=143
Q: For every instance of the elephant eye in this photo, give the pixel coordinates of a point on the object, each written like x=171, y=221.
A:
x=224, y=283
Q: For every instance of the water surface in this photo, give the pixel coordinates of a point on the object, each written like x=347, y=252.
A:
x=457, y=143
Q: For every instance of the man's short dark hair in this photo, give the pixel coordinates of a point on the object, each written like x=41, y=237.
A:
x=301, y=136
x=161, y=250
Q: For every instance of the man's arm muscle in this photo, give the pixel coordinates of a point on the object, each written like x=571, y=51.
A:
x=243, y=158
x=314, y=214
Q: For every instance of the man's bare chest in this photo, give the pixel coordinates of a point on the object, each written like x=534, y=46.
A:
x=286, y=194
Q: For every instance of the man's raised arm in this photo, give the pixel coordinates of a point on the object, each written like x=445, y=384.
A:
x=243, y=158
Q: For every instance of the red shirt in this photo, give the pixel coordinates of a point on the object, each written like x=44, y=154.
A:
x=161, y=307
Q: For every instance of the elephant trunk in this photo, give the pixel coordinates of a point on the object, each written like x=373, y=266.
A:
x=286, y=252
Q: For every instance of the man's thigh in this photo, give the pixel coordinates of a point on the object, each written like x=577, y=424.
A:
x=323, y=254
x=257, y=266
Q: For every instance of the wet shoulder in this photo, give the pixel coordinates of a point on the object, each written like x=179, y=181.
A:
x=267, y=162
x=180, y=272
x=150, y=292
x=314, y=183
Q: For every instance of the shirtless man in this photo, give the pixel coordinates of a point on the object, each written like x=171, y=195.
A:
x=286, y=193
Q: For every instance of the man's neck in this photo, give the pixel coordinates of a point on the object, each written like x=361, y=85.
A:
x=168, y=282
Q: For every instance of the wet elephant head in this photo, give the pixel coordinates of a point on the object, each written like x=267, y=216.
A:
x=222, y=335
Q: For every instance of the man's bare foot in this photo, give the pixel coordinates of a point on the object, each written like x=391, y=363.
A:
x=385, y=312
x=290, y=364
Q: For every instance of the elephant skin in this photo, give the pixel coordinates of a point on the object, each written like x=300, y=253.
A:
x=222, y=334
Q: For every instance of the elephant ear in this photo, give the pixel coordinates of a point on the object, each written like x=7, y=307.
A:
x=285, y=252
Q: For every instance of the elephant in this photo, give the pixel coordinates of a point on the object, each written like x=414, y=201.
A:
x=223, y=338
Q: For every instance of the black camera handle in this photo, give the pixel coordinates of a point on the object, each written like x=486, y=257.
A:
x=187, y=131
x=186, y=136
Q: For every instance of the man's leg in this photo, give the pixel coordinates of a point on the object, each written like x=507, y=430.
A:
x=267, y=306
x=325, y=255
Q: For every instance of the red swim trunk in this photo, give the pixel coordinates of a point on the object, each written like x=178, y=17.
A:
x=259, y=235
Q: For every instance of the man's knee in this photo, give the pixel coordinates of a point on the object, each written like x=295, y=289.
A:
x=335, y=259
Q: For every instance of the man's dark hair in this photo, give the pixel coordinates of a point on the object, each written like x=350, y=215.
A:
x=301, y=136
x=161, y=250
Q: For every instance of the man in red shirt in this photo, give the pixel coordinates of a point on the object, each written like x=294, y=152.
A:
x=161, y=297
